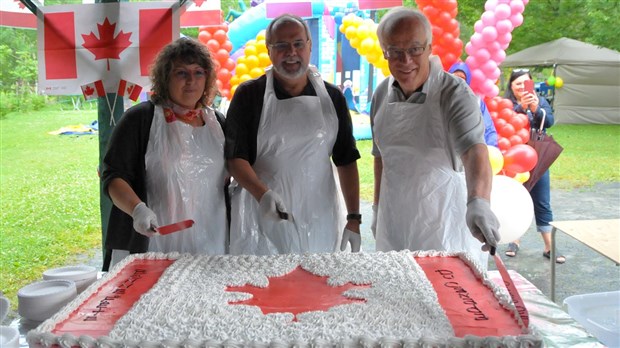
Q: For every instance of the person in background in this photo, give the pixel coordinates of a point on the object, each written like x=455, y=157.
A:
x=460, y=69
x=432, y=172
x=281, y=130
x=165, y=161
x=538, y=111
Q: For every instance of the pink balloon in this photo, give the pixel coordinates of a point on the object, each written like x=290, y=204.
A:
x=525, y=2
x=478, y=26
x=495, y=74
x=504, y=26
x=470, y=49
x=499, y=56
x=488, y=18
x=517, y=6
x=516, y=19
x=477, y=40
x=502, y=11
x=504, y=38
x=482, y=55
x=489, y=34
x=488, y=67
x=471, y=62
x=477, y=75
x=490, y=5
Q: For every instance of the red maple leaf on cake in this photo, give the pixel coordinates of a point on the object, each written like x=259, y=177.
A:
x=106, y=46
x=297, y=292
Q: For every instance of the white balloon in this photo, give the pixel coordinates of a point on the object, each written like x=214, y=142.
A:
x=513, y=207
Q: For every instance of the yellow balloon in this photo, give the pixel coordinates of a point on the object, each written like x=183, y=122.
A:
x=355, y=42
x=241, y=60
x=261, y=35
x=496, y=158
x=363, y=31
x=522, y=177
x=385, y=71
x=350, y=32
x=232, y=90
x=250, y=50
x=244, y=78
x=263, y=60
x=559, y=82
x=342, y=28
x=251, y=61
x=241, y=69
x=256, y=72
x=260, y=46
x=234, y=80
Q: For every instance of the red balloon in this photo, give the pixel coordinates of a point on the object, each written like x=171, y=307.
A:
x=524, y=134
x=507, y=130
x=505, y=114
x=213, y=45
x=204, y=37
x=230, y=64
x=220, y=36
x=499, y=123
x=491, y=104
x=505, y=103
x=517, y=122
x=227, y=45
x=515, y=140
x=520, y=158
x=222, y=56
x=503, y=143
x=430, y=12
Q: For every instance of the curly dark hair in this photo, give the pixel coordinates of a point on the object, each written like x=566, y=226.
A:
x=185, y=51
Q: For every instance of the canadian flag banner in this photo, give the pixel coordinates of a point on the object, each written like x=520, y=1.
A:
x=378, y=4
x=301, y=8
x=93, y=90
x=202, y=12
x=102, y=41
x=129, y=89
x=13, y=13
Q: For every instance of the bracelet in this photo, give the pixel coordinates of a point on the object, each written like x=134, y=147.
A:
x=357, y=217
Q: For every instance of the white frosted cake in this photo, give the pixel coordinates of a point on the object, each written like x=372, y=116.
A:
x=312, y=300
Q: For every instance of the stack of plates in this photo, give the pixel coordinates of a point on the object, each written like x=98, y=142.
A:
x=9, y=336
x=39, y=301
x=82, y=275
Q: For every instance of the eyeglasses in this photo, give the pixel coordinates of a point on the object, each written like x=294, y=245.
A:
x=296, y=45
x=520, y=70
x=399, y=54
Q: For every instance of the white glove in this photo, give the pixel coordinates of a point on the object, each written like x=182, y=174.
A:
x=373, y=224
x=144, y=220
x=354, y=238
x=271, y=206
x=482, y=222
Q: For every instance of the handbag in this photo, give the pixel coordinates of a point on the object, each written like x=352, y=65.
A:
x=548, y=151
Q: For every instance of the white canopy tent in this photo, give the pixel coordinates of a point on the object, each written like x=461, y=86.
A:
x=591, y=74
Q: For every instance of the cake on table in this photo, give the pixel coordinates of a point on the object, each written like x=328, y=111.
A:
x=393, y=299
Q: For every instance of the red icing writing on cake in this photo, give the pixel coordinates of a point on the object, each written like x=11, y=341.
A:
x=120, y=290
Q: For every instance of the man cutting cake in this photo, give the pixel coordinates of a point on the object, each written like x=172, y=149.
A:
x=432, y=172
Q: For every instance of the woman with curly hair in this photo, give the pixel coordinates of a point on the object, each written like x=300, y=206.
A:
x=165, y=161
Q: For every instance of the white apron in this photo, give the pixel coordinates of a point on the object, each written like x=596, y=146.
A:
x=185, y=172
x=294, y=145
x=423, y=198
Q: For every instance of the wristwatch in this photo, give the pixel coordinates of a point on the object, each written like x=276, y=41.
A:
x=357, y=217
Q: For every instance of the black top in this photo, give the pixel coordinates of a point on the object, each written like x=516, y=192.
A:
x=124, y=159
x=243, y=119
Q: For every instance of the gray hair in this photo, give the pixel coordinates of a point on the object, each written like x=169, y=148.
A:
x=395, y=16
x=284, y=19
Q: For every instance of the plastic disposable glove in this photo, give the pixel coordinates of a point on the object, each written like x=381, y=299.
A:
x=349, y=236
x=373, y=224
x=271, y=206
x=482, y=222
x=144, y=220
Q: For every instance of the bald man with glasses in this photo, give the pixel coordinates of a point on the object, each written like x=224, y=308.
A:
x=283, y=132
x=432, y=171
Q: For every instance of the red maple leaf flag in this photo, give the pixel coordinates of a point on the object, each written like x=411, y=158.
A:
x=129, y=89
x=102, y=41
x=107, y=45
x=202, y=12
x=93, y=90
x=13, y=13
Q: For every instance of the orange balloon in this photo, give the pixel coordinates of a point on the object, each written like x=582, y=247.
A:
x=230, y=64
x=204, y=37
x=222, y=56
x=227, y=45
x=213, y=45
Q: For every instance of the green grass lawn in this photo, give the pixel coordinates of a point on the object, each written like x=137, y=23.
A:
x=49, y=189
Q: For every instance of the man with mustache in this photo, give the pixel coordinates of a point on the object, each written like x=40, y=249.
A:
x=432, y=172
x=281, y=130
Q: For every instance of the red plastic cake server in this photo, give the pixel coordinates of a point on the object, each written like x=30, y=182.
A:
x=175, y=227
x=512, y=290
